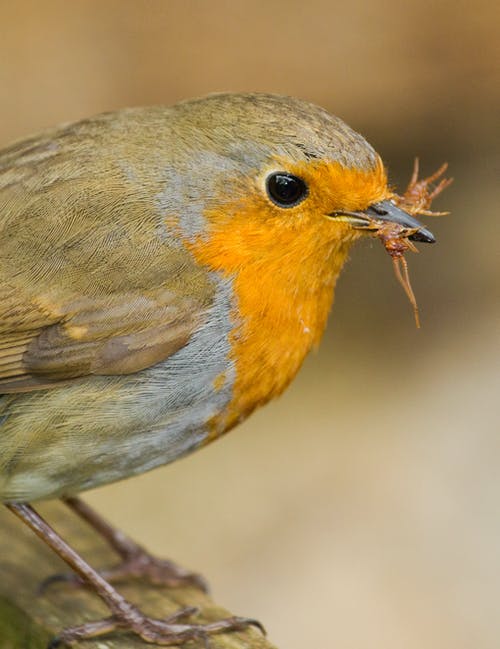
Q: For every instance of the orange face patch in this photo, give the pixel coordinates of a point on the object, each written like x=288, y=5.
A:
x=334, y=187
x=283, y=264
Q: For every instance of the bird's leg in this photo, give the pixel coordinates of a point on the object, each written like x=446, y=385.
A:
x=136, y=562
x=124, y=615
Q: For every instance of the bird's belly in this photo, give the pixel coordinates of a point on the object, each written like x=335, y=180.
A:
x=102, y=429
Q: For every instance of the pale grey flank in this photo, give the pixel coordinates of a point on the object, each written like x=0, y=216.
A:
x=124, y=425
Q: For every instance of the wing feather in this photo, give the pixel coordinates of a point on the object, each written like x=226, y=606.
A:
x=91, y=279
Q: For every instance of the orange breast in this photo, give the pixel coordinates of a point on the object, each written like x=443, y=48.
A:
x=283, y=267
x=284, y=289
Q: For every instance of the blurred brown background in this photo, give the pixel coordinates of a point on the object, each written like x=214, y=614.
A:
x=362, y=509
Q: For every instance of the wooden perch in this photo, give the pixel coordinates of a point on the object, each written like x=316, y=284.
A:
x=29, y=620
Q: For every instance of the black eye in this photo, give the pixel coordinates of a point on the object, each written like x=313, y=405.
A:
x=285, y=189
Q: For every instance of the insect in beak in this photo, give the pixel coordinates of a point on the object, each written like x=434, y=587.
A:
x=393, y=222
x=385, y=212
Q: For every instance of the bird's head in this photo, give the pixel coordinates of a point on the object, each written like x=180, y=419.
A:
x=278, y=190
x=277, y=184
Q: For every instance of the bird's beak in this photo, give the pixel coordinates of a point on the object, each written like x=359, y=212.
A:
x=385, y=212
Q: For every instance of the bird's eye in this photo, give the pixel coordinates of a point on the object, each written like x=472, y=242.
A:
x=285, y=189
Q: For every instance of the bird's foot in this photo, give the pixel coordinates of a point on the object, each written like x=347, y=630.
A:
x=139, y=564
x=124, y=615
x=136, y=561
x=168, y=632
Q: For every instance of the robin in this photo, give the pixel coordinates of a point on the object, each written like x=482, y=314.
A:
x=164, y=272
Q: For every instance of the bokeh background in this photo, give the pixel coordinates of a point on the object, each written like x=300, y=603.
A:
x=361, y=510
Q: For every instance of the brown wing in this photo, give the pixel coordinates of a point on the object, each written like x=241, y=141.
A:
x=91, y=279
x=124, y=334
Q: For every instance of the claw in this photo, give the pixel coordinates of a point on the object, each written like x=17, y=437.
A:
x=161, y=632
x=159, y=572
x=136, y=561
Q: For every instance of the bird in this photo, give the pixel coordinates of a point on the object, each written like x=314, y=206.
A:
x=164, y=271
